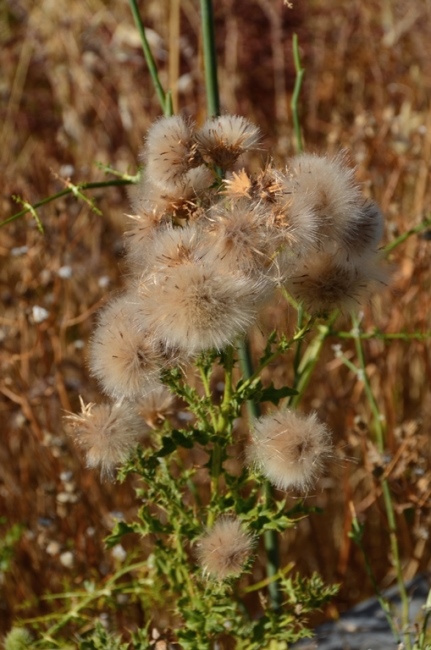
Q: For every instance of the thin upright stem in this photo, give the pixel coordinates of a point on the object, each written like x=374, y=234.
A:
x=152, y=67
x=269, y=537
x=387, y=496
x=305, y=368
x=295, y=96
x=210, y=58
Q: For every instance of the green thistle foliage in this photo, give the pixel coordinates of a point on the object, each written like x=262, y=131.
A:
x=100, y=639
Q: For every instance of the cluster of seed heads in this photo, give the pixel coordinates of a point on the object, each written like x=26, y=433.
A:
x=209, y=246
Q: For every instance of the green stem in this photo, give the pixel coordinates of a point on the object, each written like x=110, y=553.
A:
x=299, y=335
x=311, y=356
x=270, y=538
x=207, y=389
x=65, y=192
x=383, y=336
x=300, y=323
x=295, y=96
x=225, y=408
x=210, y=58
x=405, y=235
x=247, y=368
x=149, y=58
x=221, y=428
x=387, y=497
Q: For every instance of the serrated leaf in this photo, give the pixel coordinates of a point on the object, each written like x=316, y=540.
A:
x=182, y=440
x=167, y=447
x=274, y=395
x=120, y=529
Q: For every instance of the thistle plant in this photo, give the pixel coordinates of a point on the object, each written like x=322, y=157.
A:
x=210, y=246
x=212, y=243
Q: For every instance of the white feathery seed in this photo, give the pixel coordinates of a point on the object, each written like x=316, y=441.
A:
x=170, y=152
x=224, y=139
x=225, y=548
x=197, y=306
x=106, y=432
x=125, y=356
x=289, y=448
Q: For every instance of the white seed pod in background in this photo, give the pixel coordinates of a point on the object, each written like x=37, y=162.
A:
x=144, y=227
x=289, y=448
x=156, y=407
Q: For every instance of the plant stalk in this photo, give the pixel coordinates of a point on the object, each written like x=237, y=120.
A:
x=210, y=58
x=152, y=67
x=65, y=192
x=387, y=497
x=270, y=536
x=295, y=96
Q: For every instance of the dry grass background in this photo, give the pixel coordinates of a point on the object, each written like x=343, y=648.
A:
x=74, y=90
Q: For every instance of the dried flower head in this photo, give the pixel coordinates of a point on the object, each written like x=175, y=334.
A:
x=125, y=356
x=200, y=305
x=238, y=185
x=326, y=281
x=289, y=449
x=224, y=139
x=156, y=407
x=169, y=153
x=139, y=237
x=224, y=550
x=107, y=433
x=366, y=232
x=327, y=187
x=174, y=201
x=240, y=236
x=177, y=246
x=294, y=220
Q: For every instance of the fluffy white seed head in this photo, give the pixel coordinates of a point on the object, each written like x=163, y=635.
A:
x=177, y=246
x=222, y=140
x=295, y=223
x=241, y=237
x=172, y=202
x=199, y=305
x=366, y=232
x=156, y=407
x=289, y=449
x=144, y=227
x=125, y=355
x=326, y=281
x=224, y=550
x=170, y=152
x=107, y=433
x=326, y=187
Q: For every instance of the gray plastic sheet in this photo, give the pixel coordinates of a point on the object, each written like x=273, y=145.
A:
x=365, y=626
